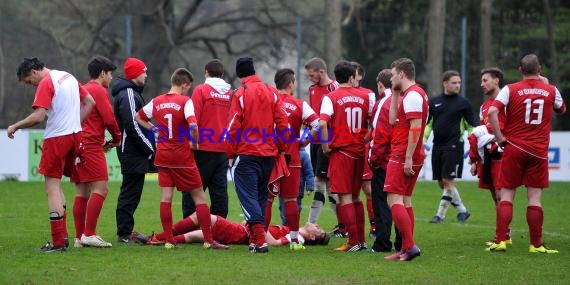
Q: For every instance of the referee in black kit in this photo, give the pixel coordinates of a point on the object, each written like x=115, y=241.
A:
x=450, y=115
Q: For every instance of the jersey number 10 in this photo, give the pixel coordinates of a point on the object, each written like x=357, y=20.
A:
x=354, y=118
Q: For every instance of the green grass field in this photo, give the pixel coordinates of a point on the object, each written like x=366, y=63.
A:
x=452, y=253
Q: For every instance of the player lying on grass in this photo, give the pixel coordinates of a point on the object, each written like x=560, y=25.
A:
x=228, y=232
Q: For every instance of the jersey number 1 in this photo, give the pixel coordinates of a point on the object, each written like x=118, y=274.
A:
x=169, y=118
x=533, y=107
x=354, y=118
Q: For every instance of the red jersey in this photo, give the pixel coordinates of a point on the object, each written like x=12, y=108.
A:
x=414, y=106
x=212, y=102
x=529, y=104
x=380, y=148
x=299, y=113
x=484, y=115
x=172, y=113
x=317, y=92
x=348, y=109
x=257, y=118
x=100, y=119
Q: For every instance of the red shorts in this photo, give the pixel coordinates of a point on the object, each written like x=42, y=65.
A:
x=91, y=165
x=521, y=168
x=290, y=184
x=58, y=155
x=184, y=179
x=397, y=182
x=345, y=173
x=495, y=175
x=367, y=174
x=227, y=232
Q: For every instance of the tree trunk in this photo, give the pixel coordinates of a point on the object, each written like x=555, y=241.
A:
x=486, y=37
x=554, y=76
x=436, y=36
x=332, y=32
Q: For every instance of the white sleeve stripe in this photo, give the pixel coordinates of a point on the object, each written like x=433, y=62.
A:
x=503, y=95
x=136, y=125
x=377, y=114
x=558, y=102
x=371, y=102
x=189, y=109
x=413, y=102
x=307, y=111
x=147, y=109
x=326, y=106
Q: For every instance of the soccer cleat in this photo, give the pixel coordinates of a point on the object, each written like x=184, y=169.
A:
x=411, y=253
x=343, y=247
x=436, y=220
x=541, y=249
x=251, y=247
x=124, y=239
x=264, y=248
x=353, y=248
x=49, y=248
x=215, y=245
x=394, y=256
x=501, y=246
x=94, y=241
x=169, y=245
x=363, y=246
x=339, y=232
x=139, y=238
x=296, y=246
x=489, y=243
x=77, y=243
x=462, y=217
x=153, y=240
x=66, y=241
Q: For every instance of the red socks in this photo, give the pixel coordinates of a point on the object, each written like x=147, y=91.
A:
x=58, y=232
x=94, y=207
x=258, y=234
x=179, y=239
x=359, y=215
x=534, y=219
x=166, y=220
x=410, y=211
x=184, y=226
x=203, y=213
x=370, y=210
x=402, y=220
x=504, y=217
x=347, y=216
x=292, y=215
x=79, y=211
x=268, y=207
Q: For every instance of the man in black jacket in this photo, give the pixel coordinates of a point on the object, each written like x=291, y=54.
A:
x=136, y=150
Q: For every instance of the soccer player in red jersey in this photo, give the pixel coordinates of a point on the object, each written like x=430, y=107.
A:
x=321, y=85
x=299, y=113
x=257, y=118
x=347, y=110
x=60, y=97
x=409, y=120
x=367, y=174
x=529, y=104
x=211, y=104
x=91, y=177
x=177, y=130
x=378, y=157
x=487, y=166
x=228, y=232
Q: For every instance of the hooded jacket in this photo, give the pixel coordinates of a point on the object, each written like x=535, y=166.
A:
x=136, y=150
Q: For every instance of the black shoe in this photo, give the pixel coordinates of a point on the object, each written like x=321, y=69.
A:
x=260, y=249
x=436, y=220
x=66, y=240
x=124, y=239
x=378, y=248
x=462, y=217
x=48, y=248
